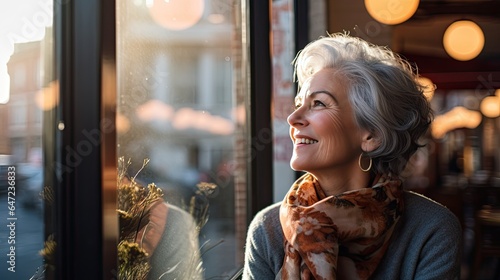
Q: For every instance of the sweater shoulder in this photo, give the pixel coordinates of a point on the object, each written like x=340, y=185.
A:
x=264, y=246
x=270, y=212
x=266, y=221
x=423, y=212
x=419, y=205
x=426, y=243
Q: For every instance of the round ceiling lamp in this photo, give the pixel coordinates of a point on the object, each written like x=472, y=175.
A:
x=390, y=11
x=463, y=40
x=490, y=106
x=176, y=14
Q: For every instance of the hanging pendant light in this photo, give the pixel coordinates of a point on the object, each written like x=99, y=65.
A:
x=176, y=14
x=463, y=40
x=390, y=11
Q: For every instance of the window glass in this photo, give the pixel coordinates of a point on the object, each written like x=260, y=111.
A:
x=283, y=94
x=19, y=76
x=181, y=123
x=25, y=97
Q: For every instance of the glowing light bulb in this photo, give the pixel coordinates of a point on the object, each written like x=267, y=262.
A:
x=391, y=11
x=463, y=40
x=176, y=14
x=490, y=106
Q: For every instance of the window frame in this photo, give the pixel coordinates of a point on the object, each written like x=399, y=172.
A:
x=84, y=40
x=83, y=217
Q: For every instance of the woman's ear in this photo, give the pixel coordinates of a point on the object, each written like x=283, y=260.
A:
x=369, y=142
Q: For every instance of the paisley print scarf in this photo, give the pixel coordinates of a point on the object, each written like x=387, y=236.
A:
x=338, y=237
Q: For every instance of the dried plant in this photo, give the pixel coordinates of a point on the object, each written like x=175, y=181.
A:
x=132, y=260
x=48, y=253
x=49, y=249
x=134, y=201
x=133, y=206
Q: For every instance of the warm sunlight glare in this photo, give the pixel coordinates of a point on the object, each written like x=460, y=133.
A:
x=4, y=88
x=20, y=22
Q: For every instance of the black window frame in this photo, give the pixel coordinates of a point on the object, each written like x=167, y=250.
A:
x=84, y=142
x=85, y=58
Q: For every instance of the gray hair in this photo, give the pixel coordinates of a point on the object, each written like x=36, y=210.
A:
x=383, y=90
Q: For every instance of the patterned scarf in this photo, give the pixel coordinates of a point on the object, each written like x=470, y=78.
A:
x=342, y=236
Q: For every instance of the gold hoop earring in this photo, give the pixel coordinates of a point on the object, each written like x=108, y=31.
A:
x=361, y=167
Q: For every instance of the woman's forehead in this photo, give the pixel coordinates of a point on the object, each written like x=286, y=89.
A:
x=325, y=79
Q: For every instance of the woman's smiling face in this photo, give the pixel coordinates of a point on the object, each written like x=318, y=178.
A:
x=326, y=138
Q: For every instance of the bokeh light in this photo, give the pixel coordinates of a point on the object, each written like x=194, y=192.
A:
x=463, y=40
x=176, y=14
x=490, y=106
x=391, y=11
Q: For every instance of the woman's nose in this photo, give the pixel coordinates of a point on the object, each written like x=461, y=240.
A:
x=296, y=118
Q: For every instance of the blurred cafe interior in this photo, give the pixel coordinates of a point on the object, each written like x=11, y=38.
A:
x=459, y=167
x=109, y=106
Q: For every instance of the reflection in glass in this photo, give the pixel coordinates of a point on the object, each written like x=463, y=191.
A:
x=25, y=74
x=181, y=126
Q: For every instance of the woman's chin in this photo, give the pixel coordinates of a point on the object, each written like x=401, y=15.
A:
x=297, y=166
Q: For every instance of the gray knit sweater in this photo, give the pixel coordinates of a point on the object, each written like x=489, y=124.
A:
x=426, y=244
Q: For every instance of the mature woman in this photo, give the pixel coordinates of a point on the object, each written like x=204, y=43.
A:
x=359, y=116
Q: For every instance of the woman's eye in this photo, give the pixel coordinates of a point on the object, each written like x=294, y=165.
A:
x=297, y=106
x=317, y=103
